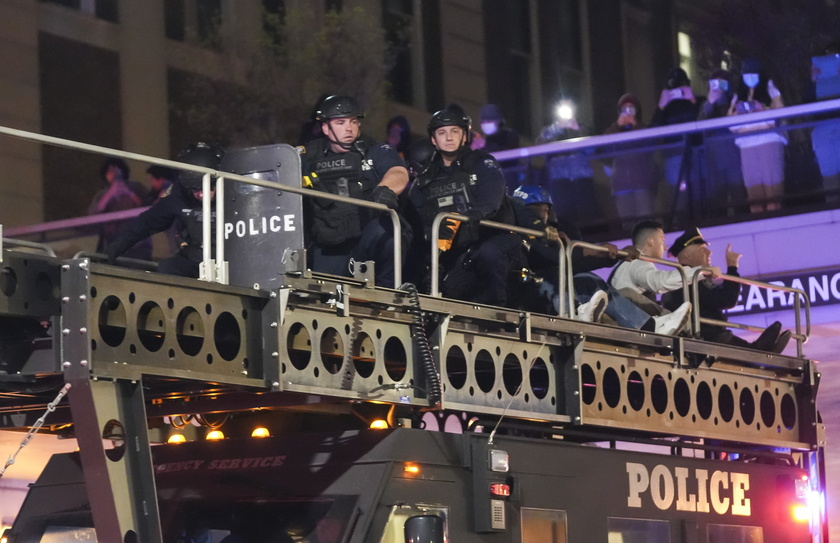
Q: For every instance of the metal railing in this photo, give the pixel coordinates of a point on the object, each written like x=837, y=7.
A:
x=691, y=292
x=694, y=167
x=798, y=296
x=619, y=255
x=216, y=269
x=435, y=252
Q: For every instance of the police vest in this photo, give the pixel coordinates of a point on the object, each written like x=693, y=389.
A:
x=191, y=233
x=337, y=173
x=442, y=192
x=453, y=192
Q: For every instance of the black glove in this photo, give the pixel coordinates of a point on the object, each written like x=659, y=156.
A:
x=472, y=229
x=385, y=196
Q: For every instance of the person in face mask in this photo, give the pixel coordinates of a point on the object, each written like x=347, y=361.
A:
x=494, y=136
x=725, y=184
x=497, y=136
x=762, y=153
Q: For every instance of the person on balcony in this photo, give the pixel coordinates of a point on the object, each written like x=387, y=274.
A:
x=633, y=172
x=762, y=153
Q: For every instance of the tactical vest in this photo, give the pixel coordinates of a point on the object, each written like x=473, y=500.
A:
x=445, y=193
x=337, y=173
x=191, y=234
x=453, y=193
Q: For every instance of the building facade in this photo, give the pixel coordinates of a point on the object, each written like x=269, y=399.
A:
x=106, y=72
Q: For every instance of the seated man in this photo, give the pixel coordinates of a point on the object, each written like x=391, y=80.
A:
x=691, y=250
x=592, y=293
x=641, y=280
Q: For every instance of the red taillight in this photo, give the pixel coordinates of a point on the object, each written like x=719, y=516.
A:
x=500, y=489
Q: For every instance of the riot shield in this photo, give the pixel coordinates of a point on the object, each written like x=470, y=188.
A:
x=262, y=223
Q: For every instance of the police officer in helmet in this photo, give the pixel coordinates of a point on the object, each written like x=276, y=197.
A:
x=476, y=261
x=346, y=163
x=181, y=205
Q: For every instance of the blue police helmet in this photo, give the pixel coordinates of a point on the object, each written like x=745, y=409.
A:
x=532, y=194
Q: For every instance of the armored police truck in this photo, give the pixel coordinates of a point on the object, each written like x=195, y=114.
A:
x=385, y=415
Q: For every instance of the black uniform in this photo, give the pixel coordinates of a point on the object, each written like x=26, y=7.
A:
x=338, y=231
x=176, y=206
x=714, y=299
x=479, y=263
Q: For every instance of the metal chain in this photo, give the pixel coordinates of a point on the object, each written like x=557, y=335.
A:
x=35, y=427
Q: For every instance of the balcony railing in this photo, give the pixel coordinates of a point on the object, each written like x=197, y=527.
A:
x=687, y=174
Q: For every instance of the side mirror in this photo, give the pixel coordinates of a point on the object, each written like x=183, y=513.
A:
x=424, y=529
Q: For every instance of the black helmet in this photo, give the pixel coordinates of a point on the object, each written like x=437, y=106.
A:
x=337, y=106
x=418, y=156
x=198, y=154
x=451, y=115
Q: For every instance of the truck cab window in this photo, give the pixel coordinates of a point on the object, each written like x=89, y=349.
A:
x=631, y=530
x=543, y=526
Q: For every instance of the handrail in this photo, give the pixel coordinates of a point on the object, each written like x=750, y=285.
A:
x=669, y=130
x=207, y=263
x=799, y=296
x=28, y=244
x=435, y=252
x=76, y=222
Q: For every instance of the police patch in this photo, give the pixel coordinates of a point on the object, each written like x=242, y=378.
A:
x=490, y=163
x=166, y=192
x=300, y=149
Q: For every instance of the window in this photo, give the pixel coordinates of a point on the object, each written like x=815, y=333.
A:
x=543, y=526
x=208, y=18
x=684, y=48
x=397, y=20
x=106, y=10
x=507, y=38
x=174, y=19
x=196, y=19
x=721, y=533
x=395, y=527
x=631, y=530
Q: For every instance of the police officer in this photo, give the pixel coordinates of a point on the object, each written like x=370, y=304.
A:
x=346, y=163
x=181, y=205
x=476, y=261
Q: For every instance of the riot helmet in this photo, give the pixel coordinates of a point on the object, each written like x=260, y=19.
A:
x=198, y=154
x=418, y=156
x=452, y=115
x=338, y=106
x=532, y=194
